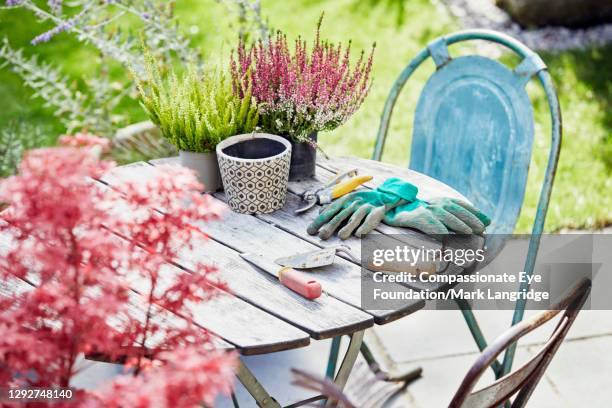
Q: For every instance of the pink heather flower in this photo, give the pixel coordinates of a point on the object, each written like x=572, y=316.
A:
x=301, y=91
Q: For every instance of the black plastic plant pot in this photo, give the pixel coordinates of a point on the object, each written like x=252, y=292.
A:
x=303, y=159
x=254, y=169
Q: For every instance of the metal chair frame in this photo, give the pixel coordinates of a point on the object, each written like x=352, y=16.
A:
x=531, y=65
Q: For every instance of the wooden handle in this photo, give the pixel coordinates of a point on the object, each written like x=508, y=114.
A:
x=349, y=185
x=300, y=282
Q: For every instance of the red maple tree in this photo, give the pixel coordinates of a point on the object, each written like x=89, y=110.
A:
x=84, y=270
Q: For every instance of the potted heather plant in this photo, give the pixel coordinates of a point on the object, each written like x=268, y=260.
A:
x=195, y=112
x=301, y=92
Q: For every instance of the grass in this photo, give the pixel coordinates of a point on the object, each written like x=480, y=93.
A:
x=581, y=196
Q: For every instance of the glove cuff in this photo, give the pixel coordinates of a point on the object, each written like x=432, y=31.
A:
x=399, y=188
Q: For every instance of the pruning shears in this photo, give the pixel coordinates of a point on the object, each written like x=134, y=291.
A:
x=338, y=186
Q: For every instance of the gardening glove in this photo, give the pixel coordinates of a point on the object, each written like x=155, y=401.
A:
x=438, y=216
x=366, y=209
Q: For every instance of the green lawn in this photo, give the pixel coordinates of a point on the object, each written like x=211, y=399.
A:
x=581, y=196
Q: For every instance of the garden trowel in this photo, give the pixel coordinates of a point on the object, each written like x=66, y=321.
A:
x=316, y=258
x=298, y=281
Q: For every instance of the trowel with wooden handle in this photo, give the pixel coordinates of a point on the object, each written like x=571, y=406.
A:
x=316, y=258
x=299, y=282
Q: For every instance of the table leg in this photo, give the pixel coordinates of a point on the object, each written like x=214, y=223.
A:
x=235, y=400
x=264, y=400
x=348, y=362
x=333, y=357
x=259, y=393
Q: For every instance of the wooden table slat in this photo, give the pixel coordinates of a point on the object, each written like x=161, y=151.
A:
x=322, y=318
x=229, y=317
x=341, y=280
x=136, y=308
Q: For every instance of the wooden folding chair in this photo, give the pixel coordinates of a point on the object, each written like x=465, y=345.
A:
x=517, y=385
x=523, y=380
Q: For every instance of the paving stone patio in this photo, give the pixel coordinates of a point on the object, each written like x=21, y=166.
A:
x=580, y=375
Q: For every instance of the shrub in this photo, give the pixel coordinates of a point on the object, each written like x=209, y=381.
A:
x=59, y=234
x=198, y=110
x=17, y=137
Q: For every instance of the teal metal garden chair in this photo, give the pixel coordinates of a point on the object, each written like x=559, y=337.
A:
x=473, y=130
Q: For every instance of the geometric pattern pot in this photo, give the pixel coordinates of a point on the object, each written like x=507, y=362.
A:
x=254, y=170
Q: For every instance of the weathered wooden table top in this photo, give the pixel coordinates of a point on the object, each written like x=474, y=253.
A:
x=262, y=316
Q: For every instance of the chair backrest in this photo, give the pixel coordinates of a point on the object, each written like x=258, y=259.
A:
x=473, y=126
x=523, y=380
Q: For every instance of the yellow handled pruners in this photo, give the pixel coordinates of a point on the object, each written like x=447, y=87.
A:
x=338, y=186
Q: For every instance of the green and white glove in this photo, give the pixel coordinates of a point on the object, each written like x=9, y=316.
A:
x=366, y=209
x=438, y=216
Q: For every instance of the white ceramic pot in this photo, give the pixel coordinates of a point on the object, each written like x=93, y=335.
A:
x=206, y=167
x=255, y=170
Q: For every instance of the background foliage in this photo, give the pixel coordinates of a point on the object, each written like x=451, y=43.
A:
x=15, y=138
x=581, y=195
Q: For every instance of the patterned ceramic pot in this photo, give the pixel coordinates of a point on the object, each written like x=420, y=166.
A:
x=254, y=170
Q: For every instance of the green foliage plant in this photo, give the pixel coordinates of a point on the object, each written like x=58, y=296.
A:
x=15, y=139
x=196, y=110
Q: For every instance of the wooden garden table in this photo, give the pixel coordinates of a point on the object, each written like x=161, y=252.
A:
x=260, y=315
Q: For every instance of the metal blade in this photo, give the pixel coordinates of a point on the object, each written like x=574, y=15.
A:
x=310, y=203
x=262, y=263
x=311, y=259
